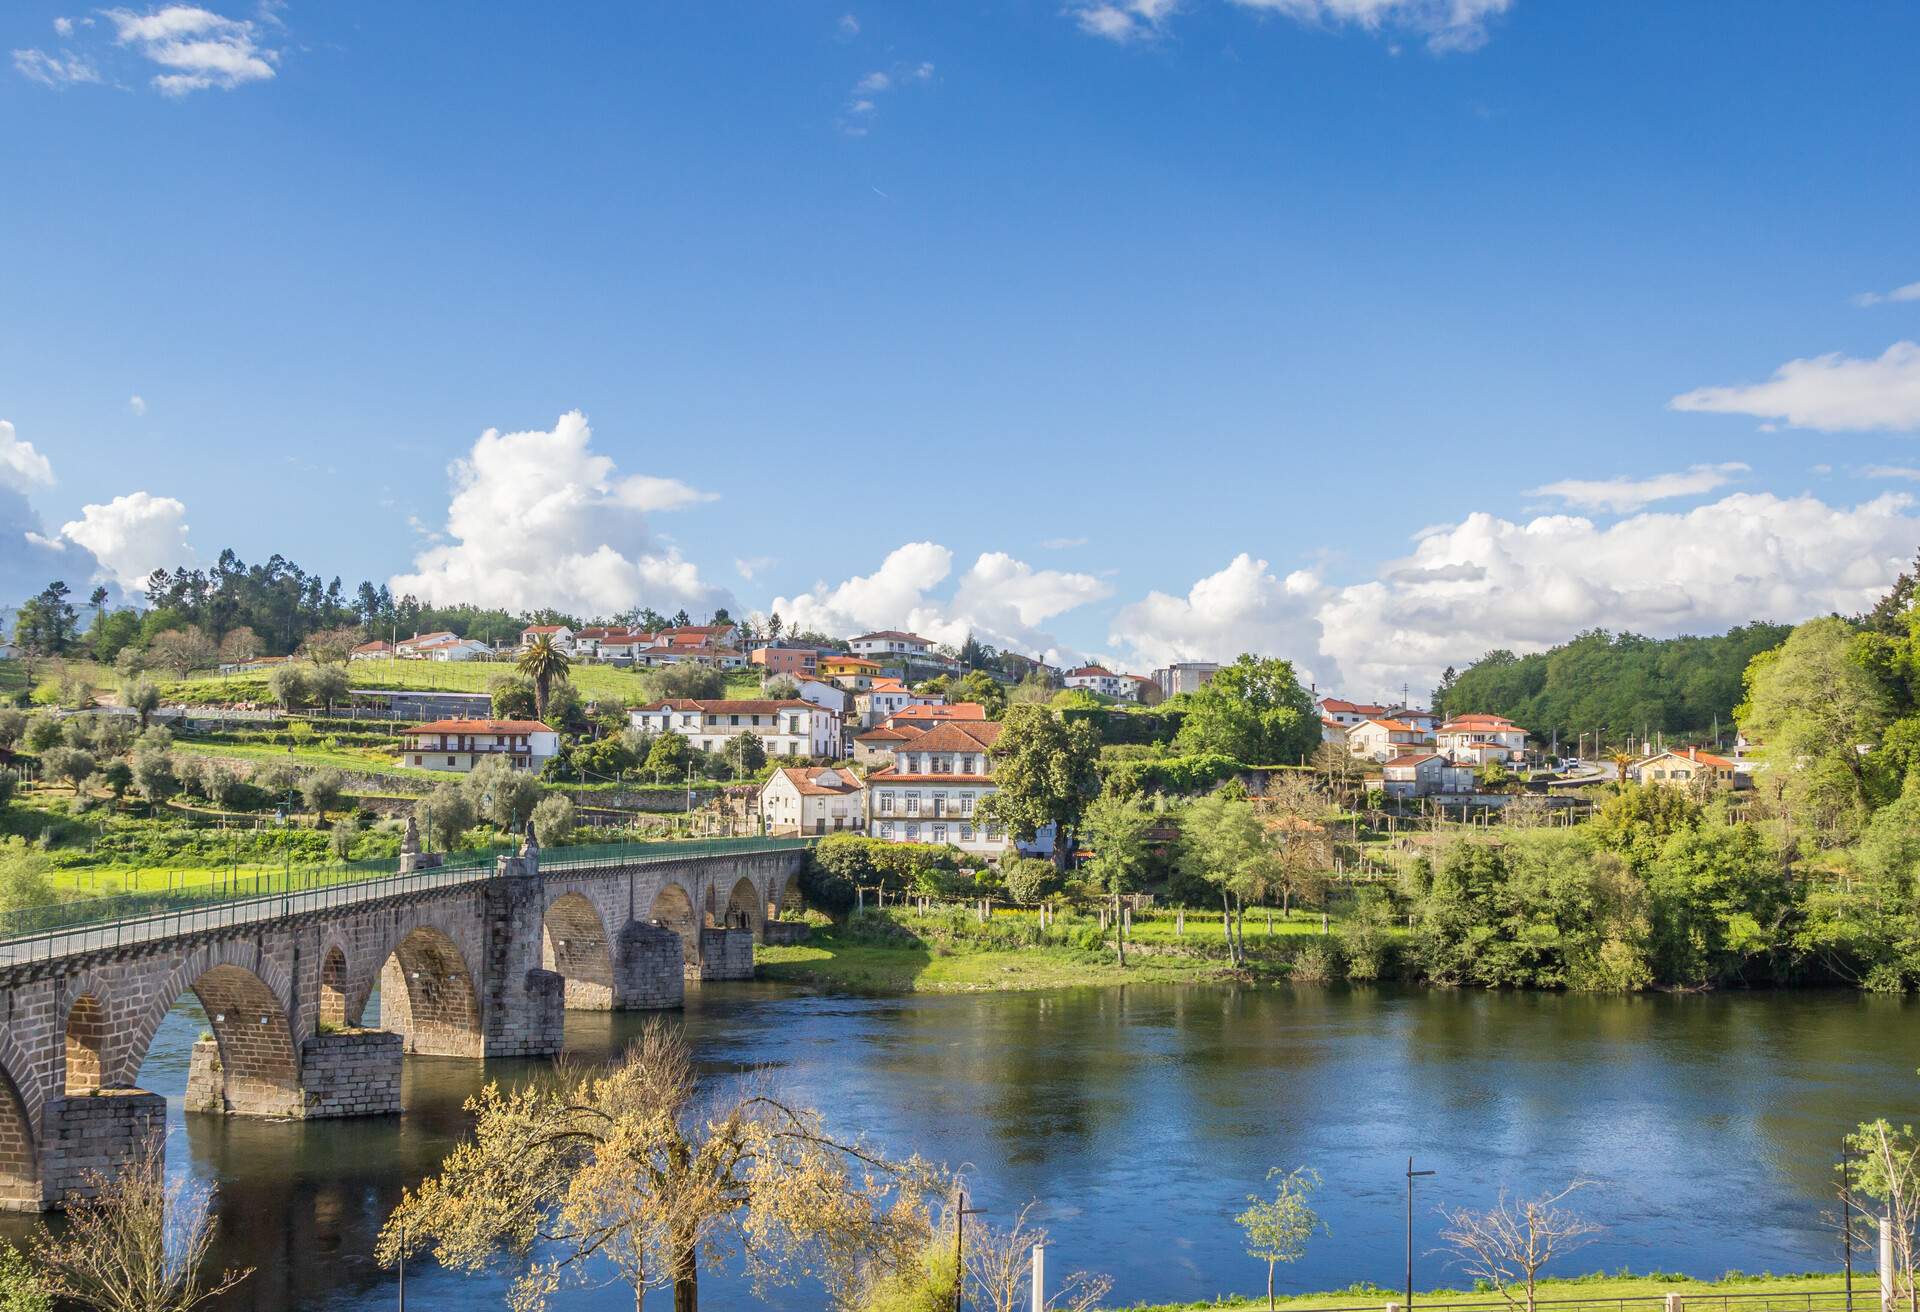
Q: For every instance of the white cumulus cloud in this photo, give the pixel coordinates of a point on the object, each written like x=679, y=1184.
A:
x=1834, y=392
x=62, y=70
x=1444, y=24
x=534, y=521
x=137, y=404
x=1623, y=494
x=1244, y=607
x=1910, y=292
x=1488, y=583
x=999, y=599
x=198, y=47
x=1124, y=20
x=21, y=466
x=133, y=535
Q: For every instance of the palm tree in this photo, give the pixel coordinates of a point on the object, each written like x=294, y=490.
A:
x=543, y=662
x=1622, y=760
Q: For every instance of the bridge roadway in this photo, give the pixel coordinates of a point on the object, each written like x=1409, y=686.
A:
x=468, y=962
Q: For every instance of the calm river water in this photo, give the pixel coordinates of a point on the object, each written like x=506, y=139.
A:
x=1141, y=1118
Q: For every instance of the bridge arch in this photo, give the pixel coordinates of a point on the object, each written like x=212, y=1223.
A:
x=86, y=1044
x=673, y=909
x=247, y=998
x=747, y=907
x=574, y=944
x=19, y=1158
x=427, y=996
x=333, y=988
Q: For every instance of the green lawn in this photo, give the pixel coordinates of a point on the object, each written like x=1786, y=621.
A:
x=1595, y=1287
x=595, y=682
x=828, y=961
x=374, y=762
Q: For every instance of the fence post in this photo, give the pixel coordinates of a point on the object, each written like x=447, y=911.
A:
x=1674, y=1302
x=1886, y=1264
x=1039, y=1278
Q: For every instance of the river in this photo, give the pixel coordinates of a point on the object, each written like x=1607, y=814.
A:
x=1141, y=1118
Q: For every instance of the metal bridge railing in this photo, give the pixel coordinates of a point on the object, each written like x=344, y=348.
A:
x=64, y=929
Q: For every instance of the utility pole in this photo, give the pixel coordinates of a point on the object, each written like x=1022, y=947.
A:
x=1411, y=1174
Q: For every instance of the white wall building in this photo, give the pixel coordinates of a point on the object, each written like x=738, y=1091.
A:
x=462, y=744
x=932, y=791
x=889, y=642
x=1100, y=679
x=1382, y=740
x=785, y=728
x=1479, y=739
x=814, y=800
x=1347, y=713
x=1425, y=774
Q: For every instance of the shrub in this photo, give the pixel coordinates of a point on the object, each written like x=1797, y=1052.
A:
x=1029, y=879
x=1317, y=963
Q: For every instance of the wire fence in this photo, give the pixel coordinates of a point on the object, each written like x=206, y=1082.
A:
x=60, y=929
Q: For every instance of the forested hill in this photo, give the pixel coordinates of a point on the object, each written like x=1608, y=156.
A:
x=1622, y=683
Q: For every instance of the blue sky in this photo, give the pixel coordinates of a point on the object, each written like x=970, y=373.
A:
x=1374, y=333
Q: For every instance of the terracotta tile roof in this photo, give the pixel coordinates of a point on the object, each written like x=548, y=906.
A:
x=839, y=658
x=893, y=634
x=889, y=776
x=481, y=726
x=1391, y=726
x=810, y=781
x=957, y=711
x=887, y=685
x=1090, y=672
x=438, y=635
x=1351, y=708
x=959, y=736
x=376, y=645
x=544, y=628
x=886, y=734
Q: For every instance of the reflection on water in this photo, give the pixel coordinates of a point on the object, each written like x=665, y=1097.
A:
x=1141, y=1118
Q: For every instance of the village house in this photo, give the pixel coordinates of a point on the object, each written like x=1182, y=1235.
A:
x=1684, y=766
x=1413, y=715
x=561, y=635
x=800, y=662
x=874, y=704
x=407, y=648
x=1425, y=774
x=784, y=728
x=1100, y=679
x=926, y=714
x=1382, y=740
x=1332, y=731
x=888, y=642
x=821, y=693
x=875, y=746
x=377, y=650
x=1480, y=739
x=460, y=745
x=932, y=791
x=853, y=673
x=453, y=649
x=1346, y=713
x=813, y=800
x=692, y=651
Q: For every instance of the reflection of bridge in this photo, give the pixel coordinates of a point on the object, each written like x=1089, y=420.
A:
x=476, y=962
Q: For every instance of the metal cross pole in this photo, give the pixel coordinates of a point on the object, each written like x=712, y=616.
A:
x=960, y=1214
x=1846, y=1225
x=403, y=1268
x=1411, y=1173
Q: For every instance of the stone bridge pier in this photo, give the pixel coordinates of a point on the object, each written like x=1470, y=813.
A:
x=313, y=1000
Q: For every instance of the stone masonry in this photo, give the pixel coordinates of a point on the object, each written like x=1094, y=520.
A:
x=476, y=969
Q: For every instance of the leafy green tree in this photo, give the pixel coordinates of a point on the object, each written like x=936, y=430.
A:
x=782, y=688
x=512, y=697
x=1720, y=901
x=1814, y=708
x=667, y=757
x=1029, y=879
x=44, y=733
x=502, y=795
x=183, y=650
x=544, y=663
x=115, y=776
x=140, y=696
x=45, y=625
x=1045, y=771
x=448, y=812
x=688, y=681
x=25, y=876
x=345, y=833
x=1278, y=1228
x=978, y=686
x=73, y=764
x=745, y=754
x=153, y=775
x=1253, y=710
x=1637, y=820
x=1221, y=843
x=288, y=684
x=21, y=1288
x=13, y=726
x=1118, y=830
x=321, y=790
x=553, y=819
x=326, y=684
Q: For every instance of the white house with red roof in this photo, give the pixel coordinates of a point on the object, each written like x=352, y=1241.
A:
x=561, y=635
x=453, y=649
x=408, y=648
x=377, y=650
x=1479, y=739
x=1100, y=679
x=1346, y=713
x=932, y=791
x=821, y=799
x=1381, y=739
x=784, y=728
x=462, y=744
x=889, y=642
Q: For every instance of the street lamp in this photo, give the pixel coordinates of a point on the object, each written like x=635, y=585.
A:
x=1411, y=1173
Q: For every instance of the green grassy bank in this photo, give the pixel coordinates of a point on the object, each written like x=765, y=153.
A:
x=1738, y=1291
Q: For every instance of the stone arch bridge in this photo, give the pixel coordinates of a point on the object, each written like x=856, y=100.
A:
x=477, y=962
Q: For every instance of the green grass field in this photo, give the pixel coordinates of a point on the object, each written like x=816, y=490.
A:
x=366, y=761
x=1594, y=1288
x=595, y=682
x=828, y=961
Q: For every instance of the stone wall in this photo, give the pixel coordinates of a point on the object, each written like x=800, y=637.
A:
x=351, y=1073
x=785, y=933
x=96, y=1135
x=649, y=968
x=726, y=954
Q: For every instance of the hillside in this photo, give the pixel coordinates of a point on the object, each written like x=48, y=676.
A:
x=1621, y=683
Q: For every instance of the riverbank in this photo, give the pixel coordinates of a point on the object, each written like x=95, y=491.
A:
x=947, y=951
x=1738, y=1290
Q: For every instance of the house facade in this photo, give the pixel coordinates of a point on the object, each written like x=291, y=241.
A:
x=784, y=728
x=1185, y=676
x=1480, y=739
x=561, y=635
x=1100, y=679
x=800, y=662
x=1382, y=740
x=890, y=643
x=1425, y=774
x=814, y=800
x=1685, y=766
x=932, y=791
x=851, y=672
x=460, y=745
x=453, y=649
x=1346, y=713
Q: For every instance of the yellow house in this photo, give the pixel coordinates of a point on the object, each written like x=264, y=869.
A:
x=1683, y=767
x=855, y=673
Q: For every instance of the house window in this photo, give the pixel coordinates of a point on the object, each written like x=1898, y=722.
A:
x=449, y=760
x=416, y=760
x=939, y=833
x=966, y=833
x=913, y=804
x=886, y=804
x=966, y=804
x=886, y=829
x=913, y=832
